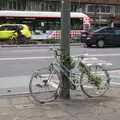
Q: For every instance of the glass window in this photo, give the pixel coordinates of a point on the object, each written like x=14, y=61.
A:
x=3, y=28
x=105, y=9
x=90, y=9
x=47, y=24
x=105, y=30
x=55, y=24
x=74, y=7
x=12, y=4
x=11, y=28
x=117, y=9
x=117, y=32
x=93, y=8
x=76, y=24
x=109, y=30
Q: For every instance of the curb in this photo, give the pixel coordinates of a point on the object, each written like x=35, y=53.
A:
x=38, y=45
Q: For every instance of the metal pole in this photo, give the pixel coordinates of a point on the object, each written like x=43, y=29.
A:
x=65, y=47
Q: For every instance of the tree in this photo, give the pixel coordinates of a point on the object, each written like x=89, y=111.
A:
x=65, y=47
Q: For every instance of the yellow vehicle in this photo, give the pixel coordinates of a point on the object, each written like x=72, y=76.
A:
x=6, y=30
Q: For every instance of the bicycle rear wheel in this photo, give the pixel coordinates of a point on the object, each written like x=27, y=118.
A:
x=95, y=88
x=43, y=85
x=13, y=39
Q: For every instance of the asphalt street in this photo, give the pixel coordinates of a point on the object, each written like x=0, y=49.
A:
x=18, y=63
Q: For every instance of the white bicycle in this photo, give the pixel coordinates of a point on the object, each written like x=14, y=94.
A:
x=44, y=84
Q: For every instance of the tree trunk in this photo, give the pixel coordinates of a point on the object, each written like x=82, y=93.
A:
x=65, y=47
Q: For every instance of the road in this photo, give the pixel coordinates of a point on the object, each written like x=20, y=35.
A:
x=18, y=63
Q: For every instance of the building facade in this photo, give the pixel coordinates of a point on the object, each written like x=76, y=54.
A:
x=99, y=10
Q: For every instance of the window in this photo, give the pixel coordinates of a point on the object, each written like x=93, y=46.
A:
x=90, y=9
x=10, y=27
x=105, y=30
x=3, y=28
x=117, y=32
x=55, y=24
x=117, y=10
x=47, y=24
x=76, y=24
x=74, y=7
x=12, y=4
x=93, y=8
x=105, y=9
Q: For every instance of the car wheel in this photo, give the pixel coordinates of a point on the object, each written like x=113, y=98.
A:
x=100, y=43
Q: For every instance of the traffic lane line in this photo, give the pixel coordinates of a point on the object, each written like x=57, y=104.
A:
x=46, y=57
x=24, y=58
x=114, y=70
x=114, y=84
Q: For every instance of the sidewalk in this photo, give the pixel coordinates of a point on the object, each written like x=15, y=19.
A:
x=23, y=107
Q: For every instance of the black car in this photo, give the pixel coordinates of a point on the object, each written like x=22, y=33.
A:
x=102, y=37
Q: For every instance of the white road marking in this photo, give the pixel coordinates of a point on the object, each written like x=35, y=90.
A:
x=104, y=55
x=25, y=58
x=27, y=51
x=115, y=76
x=115, y=83
x=47, y=57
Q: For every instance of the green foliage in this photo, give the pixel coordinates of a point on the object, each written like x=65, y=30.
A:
x=67, y=60
x=96, y=80
x=93, y=79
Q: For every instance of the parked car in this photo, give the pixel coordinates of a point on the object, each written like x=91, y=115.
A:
x=102, y=37
x=6, y=30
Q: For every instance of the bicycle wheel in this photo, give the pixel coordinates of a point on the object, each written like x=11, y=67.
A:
x=12, y=39
x=43, y=85
x=99, y=85
x=22, y=39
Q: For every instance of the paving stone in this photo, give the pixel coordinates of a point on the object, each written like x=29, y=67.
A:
x=4, y=103
x=20, y=100
x=24, y=106
x=8, y=117
x=30, y=113
x=6, y=111
x=31, y=118
x=64, y=118
x=56, y=113
x=21, y=108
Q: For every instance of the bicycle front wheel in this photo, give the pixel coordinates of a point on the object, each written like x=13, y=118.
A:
x=43, y=85
x=100, y=83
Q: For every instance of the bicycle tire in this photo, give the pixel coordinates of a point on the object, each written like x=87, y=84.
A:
x=44, y=92
x=12, y=39
x=92, y=90
x=22, y=39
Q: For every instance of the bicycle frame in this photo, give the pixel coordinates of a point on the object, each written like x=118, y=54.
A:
x=71, y=75
x=80, y=66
